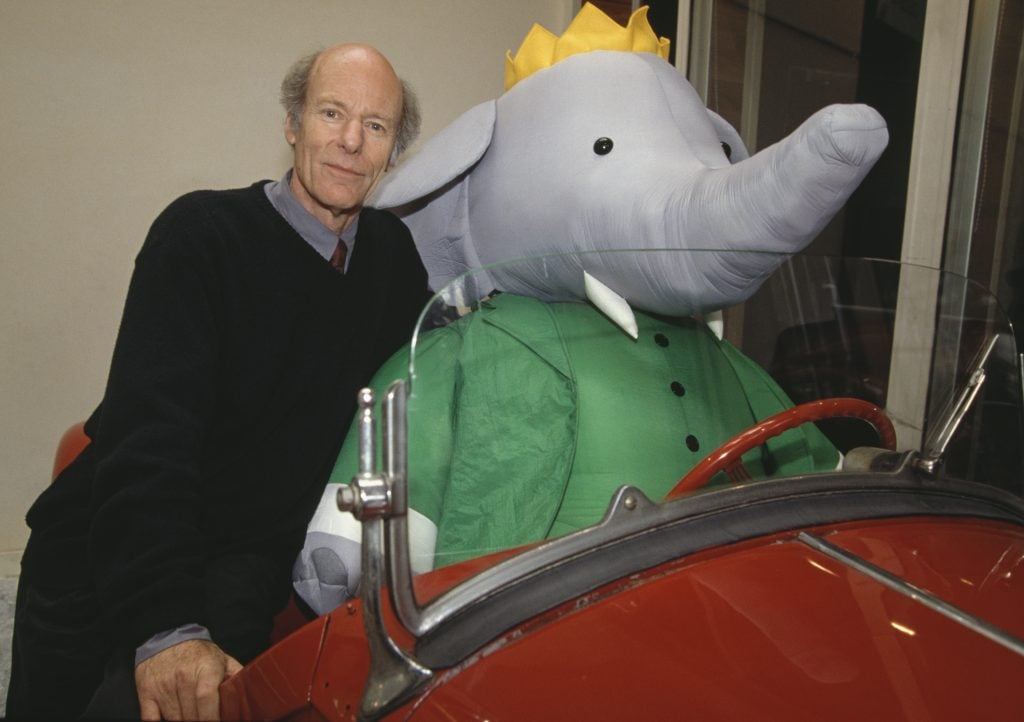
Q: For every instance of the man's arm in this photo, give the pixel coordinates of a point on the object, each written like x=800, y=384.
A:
x=147, y=543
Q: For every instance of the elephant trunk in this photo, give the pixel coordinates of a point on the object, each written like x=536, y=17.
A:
x=772, y=204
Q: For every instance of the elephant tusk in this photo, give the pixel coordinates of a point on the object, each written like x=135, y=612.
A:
x=611, y=305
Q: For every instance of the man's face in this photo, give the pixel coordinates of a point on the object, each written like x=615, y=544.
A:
x=344, y=143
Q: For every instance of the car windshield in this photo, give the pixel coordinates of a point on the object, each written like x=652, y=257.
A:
x=530, y=407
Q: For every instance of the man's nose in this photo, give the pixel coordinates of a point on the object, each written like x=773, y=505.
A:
x=352, y=136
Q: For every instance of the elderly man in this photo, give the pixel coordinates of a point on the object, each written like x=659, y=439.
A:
x=159, y=557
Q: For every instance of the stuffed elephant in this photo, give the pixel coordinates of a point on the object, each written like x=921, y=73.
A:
x=613, y=149
x=599, y=150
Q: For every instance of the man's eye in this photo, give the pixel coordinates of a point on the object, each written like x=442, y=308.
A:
x=331, y=114
x=376, y=127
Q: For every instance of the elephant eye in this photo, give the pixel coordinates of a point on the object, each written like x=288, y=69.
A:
x=603, y=146
x=728, y=150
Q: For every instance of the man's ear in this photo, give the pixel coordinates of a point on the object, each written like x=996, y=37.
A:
x=289, y=132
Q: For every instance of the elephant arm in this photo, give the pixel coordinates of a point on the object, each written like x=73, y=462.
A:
x=328, y=568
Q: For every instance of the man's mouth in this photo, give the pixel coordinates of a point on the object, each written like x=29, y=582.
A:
x=343, y=171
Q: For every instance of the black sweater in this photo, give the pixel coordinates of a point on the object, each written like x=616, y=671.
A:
x=232, y=384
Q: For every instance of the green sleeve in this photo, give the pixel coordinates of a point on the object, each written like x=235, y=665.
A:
x=798, y=451
x=430, y=418
x=511, y=452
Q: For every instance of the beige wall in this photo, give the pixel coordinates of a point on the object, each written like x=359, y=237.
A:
x=111, y=108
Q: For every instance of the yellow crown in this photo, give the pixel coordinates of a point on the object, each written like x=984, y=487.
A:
x=590, y=30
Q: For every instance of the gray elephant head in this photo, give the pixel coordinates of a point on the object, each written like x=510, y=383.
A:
x=610, y=149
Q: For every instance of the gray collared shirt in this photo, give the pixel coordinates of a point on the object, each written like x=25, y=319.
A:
x=320, y=237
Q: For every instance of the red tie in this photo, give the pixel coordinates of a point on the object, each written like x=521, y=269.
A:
x=338, y=257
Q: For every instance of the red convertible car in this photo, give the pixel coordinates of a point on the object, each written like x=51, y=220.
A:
x=886, y=586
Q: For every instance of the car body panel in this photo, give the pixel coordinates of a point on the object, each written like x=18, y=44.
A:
x=802, y=635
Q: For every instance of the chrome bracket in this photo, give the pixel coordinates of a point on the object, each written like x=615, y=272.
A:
x=953, y=415
x=394, y=674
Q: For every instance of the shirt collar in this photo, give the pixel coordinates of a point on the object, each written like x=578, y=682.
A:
x=316, y=234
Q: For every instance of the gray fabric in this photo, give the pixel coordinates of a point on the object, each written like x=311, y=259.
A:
x=164, y=640
x=327, y=571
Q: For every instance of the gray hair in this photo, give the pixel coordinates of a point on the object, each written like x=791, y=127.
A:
x=293, y=97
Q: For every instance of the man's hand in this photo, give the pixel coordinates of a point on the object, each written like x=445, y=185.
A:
x=180, y=683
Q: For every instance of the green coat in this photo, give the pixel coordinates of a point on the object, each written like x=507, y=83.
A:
x=525, y=417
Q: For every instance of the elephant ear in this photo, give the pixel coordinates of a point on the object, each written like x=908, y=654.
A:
x=727, y=134
x=441, y=160
x=429, y=192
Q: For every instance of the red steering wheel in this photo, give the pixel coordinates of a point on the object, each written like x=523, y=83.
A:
x=727, y=456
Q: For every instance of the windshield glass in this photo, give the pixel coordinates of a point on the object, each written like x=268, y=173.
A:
x=530, y=406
